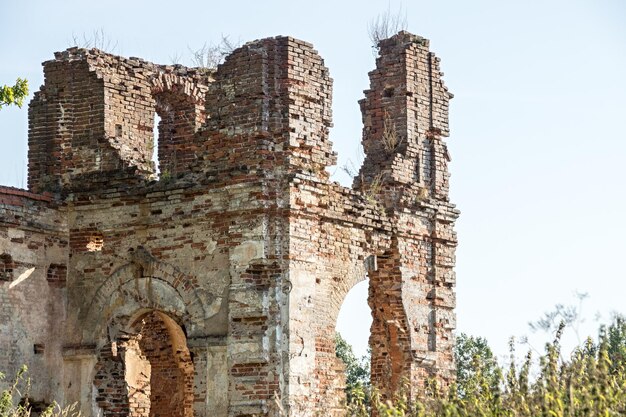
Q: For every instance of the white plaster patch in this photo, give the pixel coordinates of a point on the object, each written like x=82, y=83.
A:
x=15, y=233
x=23, y=276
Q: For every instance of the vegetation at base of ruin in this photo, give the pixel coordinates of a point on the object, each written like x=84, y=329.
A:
x=14, y=95
x=589, y=383
x=568, y=314
x=20, y=388
x=473, y=356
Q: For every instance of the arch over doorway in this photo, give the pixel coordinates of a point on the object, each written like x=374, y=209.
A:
x=149, y=284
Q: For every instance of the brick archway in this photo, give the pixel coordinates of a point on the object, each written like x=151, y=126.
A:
x=147, y=371
x=148, y=284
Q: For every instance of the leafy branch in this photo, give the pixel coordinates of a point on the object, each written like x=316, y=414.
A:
x=15, y=94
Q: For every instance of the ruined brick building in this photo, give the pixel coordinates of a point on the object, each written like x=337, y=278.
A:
x=213, y=288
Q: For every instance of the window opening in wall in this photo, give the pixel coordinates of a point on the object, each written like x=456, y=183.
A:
x=155, y=144
x=6, y=267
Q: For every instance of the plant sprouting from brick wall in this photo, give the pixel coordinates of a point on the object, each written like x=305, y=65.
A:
x=373, y=190
x=211, y=54
x=386, y=25
x=389, y=138
x=97, y=39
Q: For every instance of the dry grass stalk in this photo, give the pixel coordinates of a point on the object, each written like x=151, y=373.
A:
x=390, y=135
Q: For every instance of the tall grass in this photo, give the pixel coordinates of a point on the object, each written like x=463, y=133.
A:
x=20, y=388
x=590, y=383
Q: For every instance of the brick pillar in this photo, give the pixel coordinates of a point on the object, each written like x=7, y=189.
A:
x=405, y=116
x=268, y=116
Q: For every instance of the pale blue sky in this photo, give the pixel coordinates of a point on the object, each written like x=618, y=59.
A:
x=538, y=125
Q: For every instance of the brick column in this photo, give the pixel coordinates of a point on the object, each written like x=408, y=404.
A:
x=405, y=115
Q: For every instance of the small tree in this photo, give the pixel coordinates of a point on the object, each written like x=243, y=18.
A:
x=357, y=369
x=15, y=94
x=212, y=54
x=386, y=25
x=475, y=364
x=98, y=39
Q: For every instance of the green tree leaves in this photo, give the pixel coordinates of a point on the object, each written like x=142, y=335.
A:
x=476, y=366
x=357, y=370
x=15, y=94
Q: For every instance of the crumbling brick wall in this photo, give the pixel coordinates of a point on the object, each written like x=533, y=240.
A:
x=405, y=115
x=33, y=236
x=243, y=245
x=99, y=122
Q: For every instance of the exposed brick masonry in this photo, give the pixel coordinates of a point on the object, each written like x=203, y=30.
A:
x=213, y=288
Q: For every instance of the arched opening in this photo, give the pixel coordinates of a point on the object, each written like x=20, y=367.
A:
x=353, y=327
x=146, y=371
x=355, y=318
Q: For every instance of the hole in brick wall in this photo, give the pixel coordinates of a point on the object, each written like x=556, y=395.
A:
x=38, y=348
x=176, y=122
x=96, y=241
x=355, y=319
x=57, y=274
x=118, y=131
x=155, y=144
x=6, y=267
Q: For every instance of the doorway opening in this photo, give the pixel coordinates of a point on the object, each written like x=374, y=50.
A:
x=147, y=371
x=353, y=331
